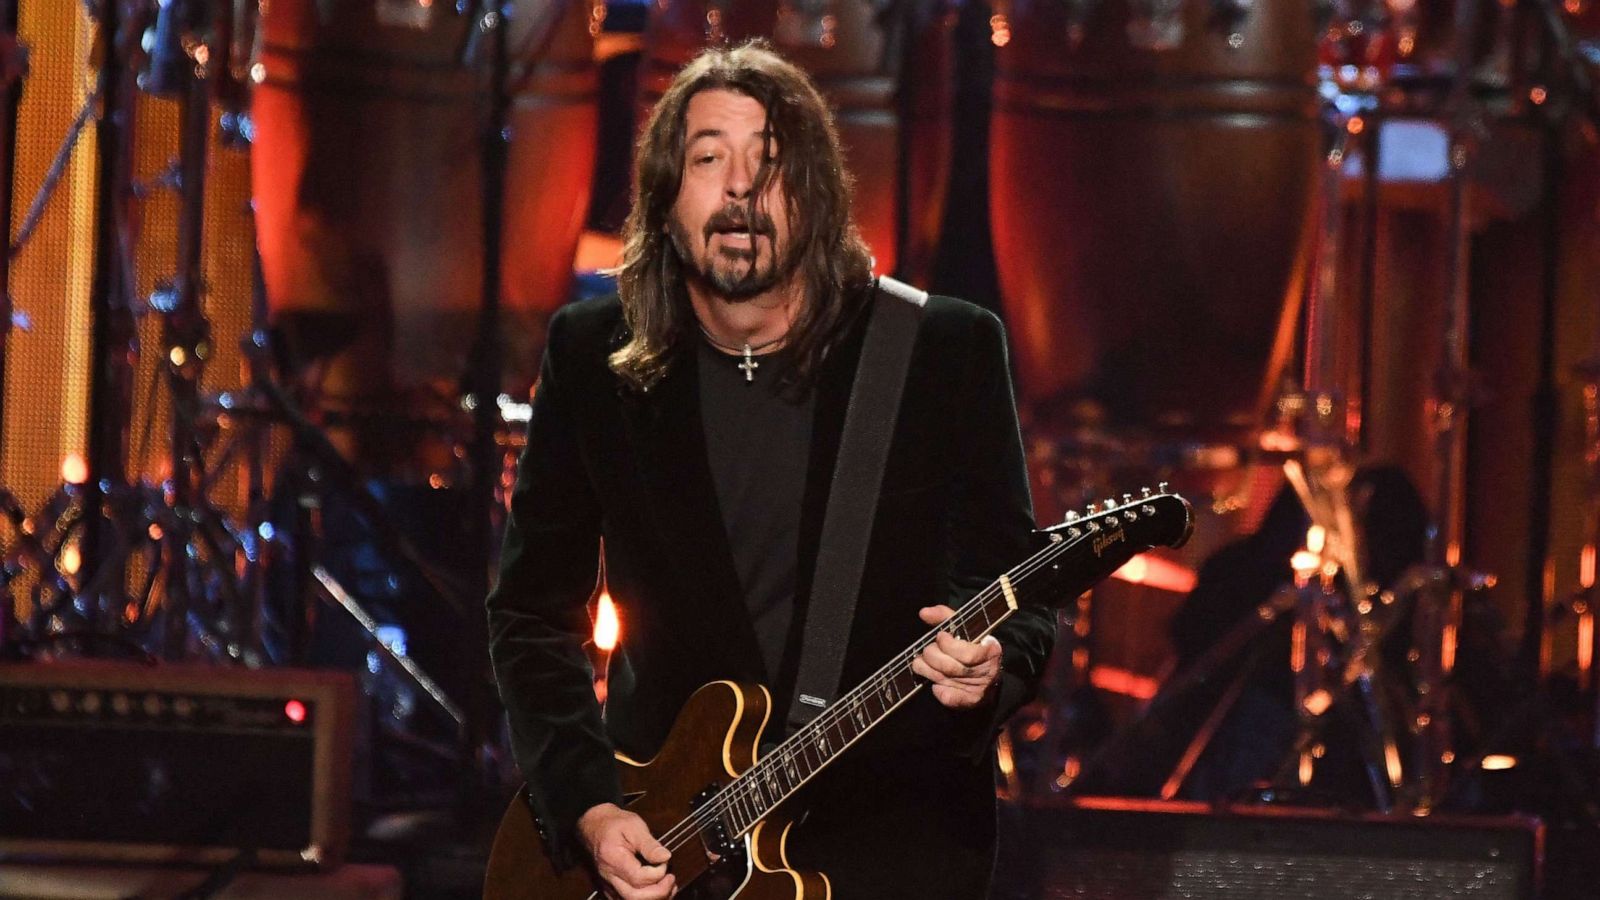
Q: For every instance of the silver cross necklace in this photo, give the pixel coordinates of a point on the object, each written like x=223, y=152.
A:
x=749, y=365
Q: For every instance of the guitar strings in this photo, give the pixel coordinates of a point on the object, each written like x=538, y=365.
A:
x=742, y=788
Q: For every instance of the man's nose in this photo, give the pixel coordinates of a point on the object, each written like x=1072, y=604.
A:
x=741, y=177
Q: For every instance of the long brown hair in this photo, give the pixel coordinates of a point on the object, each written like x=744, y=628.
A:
x=825, y=249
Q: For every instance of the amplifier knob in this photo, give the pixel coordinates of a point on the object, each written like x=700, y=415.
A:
x=120, y=704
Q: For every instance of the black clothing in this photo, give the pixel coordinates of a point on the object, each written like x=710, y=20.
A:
x=757, y=440
x=909, y=812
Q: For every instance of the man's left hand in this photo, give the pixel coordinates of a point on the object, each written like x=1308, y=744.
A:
x=963, y=673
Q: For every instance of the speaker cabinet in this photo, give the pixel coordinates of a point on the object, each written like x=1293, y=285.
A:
x=1109, y=849
x=175, y=763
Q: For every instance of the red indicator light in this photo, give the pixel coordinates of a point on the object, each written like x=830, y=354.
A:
x=295, y=711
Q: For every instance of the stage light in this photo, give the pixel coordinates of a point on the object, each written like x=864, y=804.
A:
x=1154, y=571
x=1305, y=564
x=1498, y=762
x=1317, y=702
x=1121, y=681
x=1316, y=538
x=607, y=627
x=74, y=470
x=295, y=711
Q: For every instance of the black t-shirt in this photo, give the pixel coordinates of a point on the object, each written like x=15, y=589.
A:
x=758, y=442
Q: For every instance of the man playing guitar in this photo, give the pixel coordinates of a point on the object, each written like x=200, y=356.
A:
x=691, y=426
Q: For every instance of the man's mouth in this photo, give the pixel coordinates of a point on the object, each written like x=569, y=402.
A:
x=736, y=228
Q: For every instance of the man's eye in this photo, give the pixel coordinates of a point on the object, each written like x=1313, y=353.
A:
x=704, y=159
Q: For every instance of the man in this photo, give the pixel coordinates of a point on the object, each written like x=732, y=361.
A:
x=693, y=425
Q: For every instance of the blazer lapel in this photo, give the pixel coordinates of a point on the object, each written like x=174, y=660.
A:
x=668, y=438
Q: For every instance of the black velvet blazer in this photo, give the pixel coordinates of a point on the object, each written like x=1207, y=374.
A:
x=604, y=461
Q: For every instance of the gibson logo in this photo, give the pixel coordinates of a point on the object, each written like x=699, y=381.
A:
x=1106, y=539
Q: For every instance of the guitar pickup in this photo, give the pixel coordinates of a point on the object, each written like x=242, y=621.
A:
x=717, y=834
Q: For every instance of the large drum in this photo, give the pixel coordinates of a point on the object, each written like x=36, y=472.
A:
x=887, y=72
x=1153, y=169
x=370, y=116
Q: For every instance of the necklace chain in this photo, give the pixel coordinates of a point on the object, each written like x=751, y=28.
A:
x=749, y=365
x=746, y=348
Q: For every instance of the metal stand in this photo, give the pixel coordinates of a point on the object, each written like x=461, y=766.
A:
x=482, y=380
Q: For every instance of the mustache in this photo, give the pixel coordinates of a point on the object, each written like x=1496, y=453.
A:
x=735, y=215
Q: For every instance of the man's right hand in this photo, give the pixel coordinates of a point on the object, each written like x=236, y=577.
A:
x=632, y=863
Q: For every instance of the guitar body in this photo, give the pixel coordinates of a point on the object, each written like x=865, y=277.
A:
x=713, y=740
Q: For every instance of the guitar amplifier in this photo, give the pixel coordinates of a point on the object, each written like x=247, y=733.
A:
x=1112, y=849
x=175, y=763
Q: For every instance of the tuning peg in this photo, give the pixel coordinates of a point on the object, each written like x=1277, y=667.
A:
x=1126, y=499
x=1110, y=504
x=1162, y=487
x=1072, y=516
x=1089, y=510
x=1144, y=493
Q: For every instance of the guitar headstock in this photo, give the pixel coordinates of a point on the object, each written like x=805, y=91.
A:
x=1089, y=546
x=1156, y=518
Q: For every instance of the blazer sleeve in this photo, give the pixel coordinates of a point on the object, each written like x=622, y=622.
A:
x=991, y=529
x=539, y=622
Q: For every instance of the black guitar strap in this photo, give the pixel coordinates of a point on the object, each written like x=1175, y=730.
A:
x=869, y=422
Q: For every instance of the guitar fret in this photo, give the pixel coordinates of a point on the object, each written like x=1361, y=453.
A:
x=742, y=807
x=759, y=795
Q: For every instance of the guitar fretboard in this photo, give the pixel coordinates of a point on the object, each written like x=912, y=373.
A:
x=812, y=747
x=745, y=801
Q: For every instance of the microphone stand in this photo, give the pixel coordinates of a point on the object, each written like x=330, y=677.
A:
x=482, y=379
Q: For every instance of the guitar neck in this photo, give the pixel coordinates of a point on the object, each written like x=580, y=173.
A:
x=753, y=795
x=1080, y=552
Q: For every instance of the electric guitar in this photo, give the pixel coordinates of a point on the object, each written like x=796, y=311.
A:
x=711, y=802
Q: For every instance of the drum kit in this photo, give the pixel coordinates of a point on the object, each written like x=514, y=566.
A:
x=1205, y=215
x=1197, y=207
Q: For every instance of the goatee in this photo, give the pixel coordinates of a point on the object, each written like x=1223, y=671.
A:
x=732, y=274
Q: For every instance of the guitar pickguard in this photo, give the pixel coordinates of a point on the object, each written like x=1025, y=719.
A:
x=725, y=879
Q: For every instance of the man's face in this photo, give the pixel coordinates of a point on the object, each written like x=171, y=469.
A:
x=712, y=228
